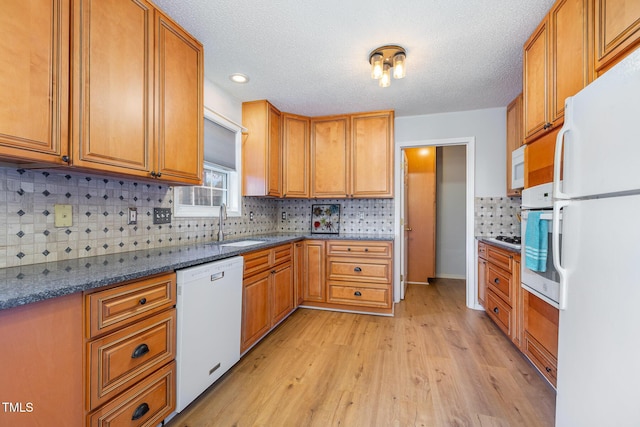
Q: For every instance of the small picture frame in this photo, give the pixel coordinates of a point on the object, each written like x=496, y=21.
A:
x=325, y=219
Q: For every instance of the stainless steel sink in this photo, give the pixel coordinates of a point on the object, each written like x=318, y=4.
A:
x=243, y=243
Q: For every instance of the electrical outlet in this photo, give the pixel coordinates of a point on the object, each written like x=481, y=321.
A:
x=133, y=216
x=361, y=215
x=162, y=215
x=284, y=216
x=62, y=215
x=250, y=216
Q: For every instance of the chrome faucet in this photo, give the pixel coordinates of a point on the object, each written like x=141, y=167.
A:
x=223, y=216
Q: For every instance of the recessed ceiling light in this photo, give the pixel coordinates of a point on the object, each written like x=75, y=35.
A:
x=239, y=78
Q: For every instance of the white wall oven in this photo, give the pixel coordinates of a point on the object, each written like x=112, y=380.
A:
x=544, y=284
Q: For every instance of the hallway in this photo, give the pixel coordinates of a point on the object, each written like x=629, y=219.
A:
x=436, y=363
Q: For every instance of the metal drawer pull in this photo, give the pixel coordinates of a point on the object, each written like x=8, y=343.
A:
x=496, y=281
x=357, y=269
x=217, y=276
x=215, y=368
x=142, y=409
x=357, y=293
x=496, y=310
x=548, y=369
x=140, y=351
x=142, y=301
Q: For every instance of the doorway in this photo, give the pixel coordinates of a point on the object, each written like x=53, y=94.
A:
x=400, y=252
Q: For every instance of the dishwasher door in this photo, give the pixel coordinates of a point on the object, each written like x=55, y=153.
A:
x=209, y=320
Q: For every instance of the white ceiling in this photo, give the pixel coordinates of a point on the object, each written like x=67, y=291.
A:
x=311, y=57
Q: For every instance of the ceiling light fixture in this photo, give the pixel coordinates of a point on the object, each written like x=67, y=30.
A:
x=239, y=78
x=383, y=59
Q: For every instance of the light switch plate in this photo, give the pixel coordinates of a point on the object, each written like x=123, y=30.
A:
x=133, y=216
x=63, y=215
x=162, y=215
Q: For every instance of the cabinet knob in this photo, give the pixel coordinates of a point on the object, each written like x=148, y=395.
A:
x=547, y=125
x=65, y=159
x=496, y=281
x=348, y=249
x=273, y=272
x=153, y=174
x=159, y=174
x=496, y=310
x=143, y=301
x=140, y=351
x=548, y=369
x=357, y=269
x=142, y=409
x=366, y=249
x=357, y=293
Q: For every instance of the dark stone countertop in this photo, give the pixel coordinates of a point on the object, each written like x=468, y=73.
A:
x=36, y=282
x=484, y=239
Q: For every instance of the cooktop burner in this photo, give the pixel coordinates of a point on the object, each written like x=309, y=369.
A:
x=515, y=240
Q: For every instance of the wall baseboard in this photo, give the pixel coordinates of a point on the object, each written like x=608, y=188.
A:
x=451, y=276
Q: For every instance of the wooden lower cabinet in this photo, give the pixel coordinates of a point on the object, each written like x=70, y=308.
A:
x=41, y=363
x=299, y=272
x=268, y=293
x=482, y=273
x=540, y=335
x=130, y=348
x=354, y=275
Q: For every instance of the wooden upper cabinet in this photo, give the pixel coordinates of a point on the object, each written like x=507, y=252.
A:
x=180, y=104
x=372, y=154
x=113, y=86
x=352, y=156
x=617, y=31
x=556, y=65
x=34, y=80
x=514, y=137
x=330, y=156
x=261, y=150
x=571, y=66
x=115, y=99
x=535, y=81
x=295, y=155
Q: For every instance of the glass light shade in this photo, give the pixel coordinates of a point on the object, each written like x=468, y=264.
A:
x=376, y=66
x=399, y=69
x=385, y=80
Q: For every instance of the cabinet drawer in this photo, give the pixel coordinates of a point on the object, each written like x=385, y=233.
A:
x=541, y=358
x=499, y=312
x=153, y=399
x=122, y=358
x=359, y=270
x=256, y=261
x=359, y=248
x=499, y=257
x=500, y=282
x=282, y=254
x=354, y=295
x=115, y=307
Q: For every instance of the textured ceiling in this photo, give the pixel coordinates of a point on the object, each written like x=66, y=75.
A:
x=311, y=57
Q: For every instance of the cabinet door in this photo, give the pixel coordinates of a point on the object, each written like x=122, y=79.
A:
x=372, y=155
x=34, y=80
x=274, y=151
x=617, y=31
x=256, y=317
x=113, y=86
x=514, y=137
x=570, y=66
x=295, y=156
x=314, y=271
x=282, y=293
x=180, y=108
x=330, y=157
x=299, y=272
x=535, y=83
x=482, y=281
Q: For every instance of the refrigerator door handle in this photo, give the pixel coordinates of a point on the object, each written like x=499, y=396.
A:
x=555, y=244
x=557, y=161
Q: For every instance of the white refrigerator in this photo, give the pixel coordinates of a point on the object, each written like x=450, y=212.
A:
x=598, y=382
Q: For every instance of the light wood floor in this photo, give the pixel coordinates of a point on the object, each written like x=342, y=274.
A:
x=436, y=363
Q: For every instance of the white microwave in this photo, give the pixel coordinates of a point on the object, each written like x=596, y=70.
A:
x=517, y=168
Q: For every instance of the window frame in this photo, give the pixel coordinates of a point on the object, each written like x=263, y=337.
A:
x=234, y=185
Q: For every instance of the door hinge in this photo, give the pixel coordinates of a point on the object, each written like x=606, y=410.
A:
x=402, y=278
x=401, y=221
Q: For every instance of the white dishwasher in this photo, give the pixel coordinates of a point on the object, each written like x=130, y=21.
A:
x=209, y=320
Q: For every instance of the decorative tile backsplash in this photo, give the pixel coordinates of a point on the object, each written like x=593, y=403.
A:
x=495, y=216
x=100, y=206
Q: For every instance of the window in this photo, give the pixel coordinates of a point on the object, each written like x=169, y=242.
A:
x=222, y=142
